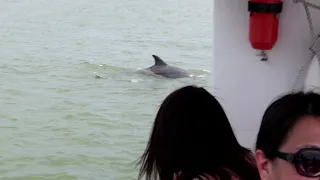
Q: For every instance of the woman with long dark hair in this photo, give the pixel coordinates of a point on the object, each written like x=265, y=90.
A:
x=288, y=141
x=192, y=138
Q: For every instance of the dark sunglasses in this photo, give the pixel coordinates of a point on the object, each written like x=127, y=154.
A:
x=306, y=161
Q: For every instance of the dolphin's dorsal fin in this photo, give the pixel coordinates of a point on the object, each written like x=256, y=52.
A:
x=158, y=61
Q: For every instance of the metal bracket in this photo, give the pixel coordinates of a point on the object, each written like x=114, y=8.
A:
x=263, y=55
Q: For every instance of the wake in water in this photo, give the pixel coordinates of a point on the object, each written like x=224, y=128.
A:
x=104, y=71
x=144, y=73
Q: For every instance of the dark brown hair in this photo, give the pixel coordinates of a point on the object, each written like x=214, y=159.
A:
x=281, y=116
x=192, y=134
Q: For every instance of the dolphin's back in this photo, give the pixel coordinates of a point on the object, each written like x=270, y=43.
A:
x=169, y=71
x=161, y=68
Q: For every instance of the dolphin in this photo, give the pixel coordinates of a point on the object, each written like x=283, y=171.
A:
x=163, y=69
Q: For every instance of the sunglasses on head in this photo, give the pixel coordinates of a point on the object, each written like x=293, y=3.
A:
x=306, y=161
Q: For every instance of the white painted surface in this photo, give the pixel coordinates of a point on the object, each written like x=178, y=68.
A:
x=243, y=84
x=312, y=80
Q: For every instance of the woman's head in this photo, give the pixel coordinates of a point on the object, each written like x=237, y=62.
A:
x=191, y=132
x=290, y=125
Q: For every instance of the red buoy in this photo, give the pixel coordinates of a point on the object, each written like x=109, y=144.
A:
x=264, y=23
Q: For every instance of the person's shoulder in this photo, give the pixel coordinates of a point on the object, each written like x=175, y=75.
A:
x=210, y=177
x=205, y=177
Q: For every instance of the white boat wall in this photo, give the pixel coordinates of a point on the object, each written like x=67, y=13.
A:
x=243, y=83
x=312, y=79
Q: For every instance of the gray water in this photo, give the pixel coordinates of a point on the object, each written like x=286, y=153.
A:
x=57, y=121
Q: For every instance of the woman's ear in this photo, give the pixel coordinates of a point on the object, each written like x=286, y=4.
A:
x=263, y=164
